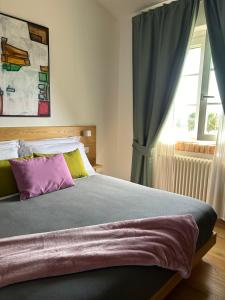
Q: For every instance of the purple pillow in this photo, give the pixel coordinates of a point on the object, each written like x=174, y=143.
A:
x=41, y=175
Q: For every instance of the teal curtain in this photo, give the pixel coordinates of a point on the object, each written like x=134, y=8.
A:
x=215, y=18
x=160, y=41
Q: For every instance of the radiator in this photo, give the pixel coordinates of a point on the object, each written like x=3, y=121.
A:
x=191, y=176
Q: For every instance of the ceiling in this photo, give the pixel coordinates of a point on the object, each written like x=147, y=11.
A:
x=120, y=8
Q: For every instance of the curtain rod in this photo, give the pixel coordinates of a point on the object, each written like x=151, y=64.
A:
x=153, y=6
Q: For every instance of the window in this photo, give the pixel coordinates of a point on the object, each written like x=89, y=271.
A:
x=197, y=101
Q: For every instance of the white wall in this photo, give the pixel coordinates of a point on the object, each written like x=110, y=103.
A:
x=83, y=65
x=125, y=100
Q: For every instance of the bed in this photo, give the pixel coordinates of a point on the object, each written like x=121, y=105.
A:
x=94, y=200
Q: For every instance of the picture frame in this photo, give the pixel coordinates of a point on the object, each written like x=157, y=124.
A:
x=24, y=68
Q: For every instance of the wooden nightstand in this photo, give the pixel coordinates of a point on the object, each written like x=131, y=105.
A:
x=97, y=167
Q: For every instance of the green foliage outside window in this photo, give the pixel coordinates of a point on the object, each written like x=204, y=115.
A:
x=191, y=121
x=212, y=122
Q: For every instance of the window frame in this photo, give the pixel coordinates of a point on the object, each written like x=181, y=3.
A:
x=200, y=39
x=201, y=135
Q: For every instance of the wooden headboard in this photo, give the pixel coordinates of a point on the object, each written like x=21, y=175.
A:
x=46, y=132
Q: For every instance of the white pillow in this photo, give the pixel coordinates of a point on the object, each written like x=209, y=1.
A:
x=60, y=148
x=47, y=149
x=53, y=141
x=9, y=149
x=8, y=153
x=26, y=145
x=90, y=170
x=8, y=144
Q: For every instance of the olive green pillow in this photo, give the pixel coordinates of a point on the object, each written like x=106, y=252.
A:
x=74, y=162
x=8, y=184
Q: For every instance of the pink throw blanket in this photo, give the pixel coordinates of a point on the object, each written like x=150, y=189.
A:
x=168, y=242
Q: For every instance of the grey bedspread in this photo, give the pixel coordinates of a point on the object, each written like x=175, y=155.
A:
x=94, y=200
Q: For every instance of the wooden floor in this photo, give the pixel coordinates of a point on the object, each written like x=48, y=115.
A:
x=208, y=278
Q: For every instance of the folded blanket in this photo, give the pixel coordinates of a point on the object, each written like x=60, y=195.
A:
x=168, y=242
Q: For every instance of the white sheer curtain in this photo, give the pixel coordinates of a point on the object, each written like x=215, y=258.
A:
x=216, y=186
x=164, y=168
x=163, y=156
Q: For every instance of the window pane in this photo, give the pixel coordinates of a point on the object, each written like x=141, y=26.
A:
x=213, y=88
x=192, y=62
x=185, y=117
x=187, y=91
x=213, y=113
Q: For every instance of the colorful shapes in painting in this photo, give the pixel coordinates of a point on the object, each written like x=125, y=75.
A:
x=1, y=101
x=10, y=89
x=14, y=55
x=38, y=33
x=43, y=94
x=41, y=97
x=43, y=77
x=24, y=68
x=44, y=69
x=11, y=67
x=43, y=108
x=42, y=87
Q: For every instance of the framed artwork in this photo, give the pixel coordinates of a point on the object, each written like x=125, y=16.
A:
x=24, y=68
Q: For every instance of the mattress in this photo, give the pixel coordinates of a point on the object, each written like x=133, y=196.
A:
x=94, y=200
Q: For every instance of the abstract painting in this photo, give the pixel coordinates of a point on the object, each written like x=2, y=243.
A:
x=24, y=68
